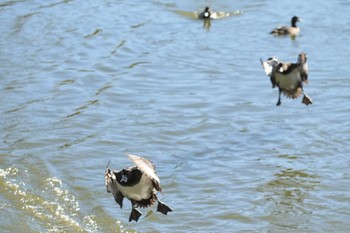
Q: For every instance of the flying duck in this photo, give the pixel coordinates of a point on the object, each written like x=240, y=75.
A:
x=288, y=77
x=205, y=14
x=293, y=30
x=139, y=184
x=209, y=14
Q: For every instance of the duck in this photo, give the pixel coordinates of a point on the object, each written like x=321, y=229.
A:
x=288, y=77
x=138, y=183
x=293, y=30
x=206, y=14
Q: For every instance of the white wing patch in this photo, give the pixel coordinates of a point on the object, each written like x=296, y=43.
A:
x=269, y=64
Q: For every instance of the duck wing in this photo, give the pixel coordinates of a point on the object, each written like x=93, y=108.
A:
x=269, y=64
x=269, y=68
x=111, y=186
x=280, y=31
x=148, y=168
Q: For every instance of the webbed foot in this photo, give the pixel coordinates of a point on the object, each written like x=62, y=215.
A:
x=134, y=215
x=306, y=100
x=163, y=208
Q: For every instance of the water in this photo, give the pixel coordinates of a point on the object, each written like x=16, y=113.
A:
x=85, y=82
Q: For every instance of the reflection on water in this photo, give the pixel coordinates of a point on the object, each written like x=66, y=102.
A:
x=51, y=206
x=285, y=196
x=44, y=199
x=207, y=22
x=97, y=31
x=216, y=15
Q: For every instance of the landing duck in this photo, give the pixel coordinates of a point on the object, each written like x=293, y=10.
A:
x=288, y=77
x=139, y=184
x=208, y=14
x=293, y=30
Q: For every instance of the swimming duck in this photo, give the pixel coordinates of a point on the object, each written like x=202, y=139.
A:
x=288, y=77
x=139, y=184
x=293, y=30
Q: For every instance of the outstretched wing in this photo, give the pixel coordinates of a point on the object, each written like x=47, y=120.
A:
x=270, y=68
x=269, y=64
x=111, y=186
x=148, y=168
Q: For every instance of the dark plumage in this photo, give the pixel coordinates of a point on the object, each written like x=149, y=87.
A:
x=139, y=184
x=206, y=14
x=288, y=77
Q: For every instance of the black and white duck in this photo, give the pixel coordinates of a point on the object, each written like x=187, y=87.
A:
x=293, y=30
x=139, y=184
x=288, y=77
x=206, y=14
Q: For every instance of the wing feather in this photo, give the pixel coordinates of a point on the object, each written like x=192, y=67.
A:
x=148, y=168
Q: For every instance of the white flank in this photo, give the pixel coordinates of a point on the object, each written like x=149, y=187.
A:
x=140, y=191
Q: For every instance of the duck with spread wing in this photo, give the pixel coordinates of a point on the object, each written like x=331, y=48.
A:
x=139, y=184
x=288, y=77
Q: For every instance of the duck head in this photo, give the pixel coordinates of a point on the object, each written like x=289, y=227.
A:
x=129, y=176
x=272, y=61
x=302, y=58
x=124, y=176
x=295, y=19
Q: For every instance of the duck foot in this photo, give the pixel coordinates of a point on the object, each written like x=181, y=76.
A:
x=307, y=100
x=163, y=208
x=134, y=215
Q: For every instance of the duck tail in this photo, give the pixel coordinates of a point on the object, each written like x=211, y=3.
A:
x=294, y=94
